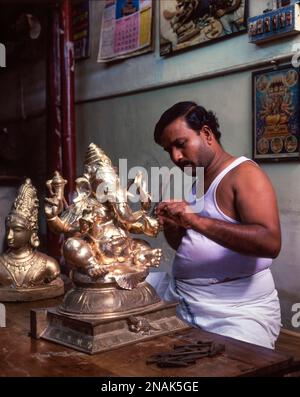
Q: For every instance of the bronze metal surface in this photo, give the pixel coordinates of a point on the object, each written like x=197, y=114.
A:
x=98, y=335
x=98, y=223
x=25, y=273
x=110, y=304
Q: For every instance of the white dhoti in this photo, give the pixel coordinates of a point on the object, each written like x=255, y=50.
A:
x=246, y=309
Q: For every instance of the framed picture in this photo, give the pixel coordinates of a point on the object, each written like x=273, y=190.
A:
x=81, y=28
x=189, y=23
x=276, y=114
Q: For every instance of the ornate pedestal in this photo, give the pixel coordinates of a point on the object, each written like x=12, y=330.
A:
x=105, y=317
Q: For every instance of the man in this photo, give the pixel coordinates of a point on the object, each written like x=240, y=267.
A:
x=221, y=273
x=232, y=17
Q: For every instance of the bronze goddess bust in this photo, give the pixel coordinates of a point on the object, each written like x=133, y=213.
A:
x=25, y=273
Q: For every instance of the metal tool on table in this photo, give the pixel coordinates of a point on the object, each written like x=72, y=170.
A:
x=185, y=355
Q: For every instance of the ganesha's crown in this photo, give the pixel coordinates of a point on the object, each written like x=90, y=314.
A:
x=96, y=155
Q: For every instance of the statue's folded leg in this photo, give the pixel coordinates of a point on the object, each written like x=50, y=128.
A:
x=79, y=253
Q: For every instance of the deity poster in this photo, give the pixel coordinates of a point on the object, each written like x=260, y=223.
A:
x=276, y=114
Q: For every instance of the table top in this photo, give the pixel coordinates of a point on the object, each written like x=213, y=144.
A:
x=21, y=355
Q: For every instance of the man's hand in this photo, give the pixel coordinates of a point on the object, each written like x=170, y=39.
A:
x=248, y=191
x=176, y=213
x=171, y=216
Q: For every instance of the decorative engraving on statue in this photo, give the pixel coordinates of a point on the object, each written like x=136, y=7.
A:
x=140, y=325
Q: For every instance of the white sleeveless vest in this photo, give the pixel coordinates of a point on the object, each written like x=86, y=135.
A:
x=199, y=257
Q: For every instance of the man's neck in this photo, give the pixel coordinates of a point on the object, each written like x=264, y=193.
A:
x=220, y=161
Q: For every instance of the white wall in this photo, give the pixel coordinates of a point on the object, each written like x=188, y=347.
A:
x=123, y=125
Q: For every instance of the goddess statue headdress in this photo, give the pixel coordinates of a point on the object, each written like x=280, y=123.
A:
x=26, y=205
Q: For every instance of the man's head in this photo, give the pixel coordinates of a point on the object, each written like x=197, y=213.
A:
x=189, y=133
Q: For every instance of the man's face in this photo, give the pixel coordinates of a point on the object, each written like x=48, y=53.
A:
x=185, y=147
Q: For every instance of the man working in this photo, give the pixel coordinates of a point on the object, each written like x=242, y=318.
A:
x=232, y=17
x=221, y=273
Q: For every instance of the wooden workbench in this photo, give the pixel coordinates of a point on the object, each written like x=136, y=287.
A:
x=20, y=355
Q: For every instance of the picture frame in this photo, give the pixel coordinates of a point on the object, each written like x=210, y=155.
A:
x=81, y=29
x=276, y=114
x=185, y=24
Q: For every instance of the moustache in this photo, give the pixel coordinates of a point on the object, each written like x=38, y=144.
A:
x=185, y=164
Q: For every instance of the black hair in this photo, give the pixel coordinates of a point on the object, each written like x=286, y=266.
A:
x=195, y=116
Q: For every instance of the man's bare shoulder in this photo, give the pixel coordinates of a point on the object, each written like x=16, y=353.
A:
x=251, y=174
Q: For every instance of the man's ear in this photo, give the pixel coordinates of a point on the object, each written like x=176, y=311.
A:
x=207, y=134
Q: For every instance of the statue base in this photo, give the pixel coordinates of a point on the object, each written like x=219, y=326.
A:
x=99, y=316
x=95, y=336
x=47, y=291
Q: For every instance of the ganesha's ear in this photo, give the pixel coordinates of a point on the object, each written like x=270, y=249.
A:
x=83, y=187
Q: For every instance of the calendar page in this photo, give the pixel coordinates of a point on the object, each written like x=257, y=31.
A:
x=126, y=29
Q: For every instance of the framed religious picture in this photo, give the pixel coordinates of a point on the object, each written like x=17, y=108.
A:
x=188, y=23
x=81, y=28
x=276, y=114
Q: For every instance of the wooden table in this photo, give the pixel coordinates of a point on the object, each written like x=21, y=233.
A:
x=20, y=355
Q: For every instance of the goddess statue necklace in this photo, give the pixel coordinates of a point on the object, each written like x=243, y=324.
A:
x=18, y=267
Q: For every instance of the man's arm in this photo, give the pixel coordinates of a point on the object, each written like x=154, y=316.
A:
x=173, y=234
x=255, y=201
